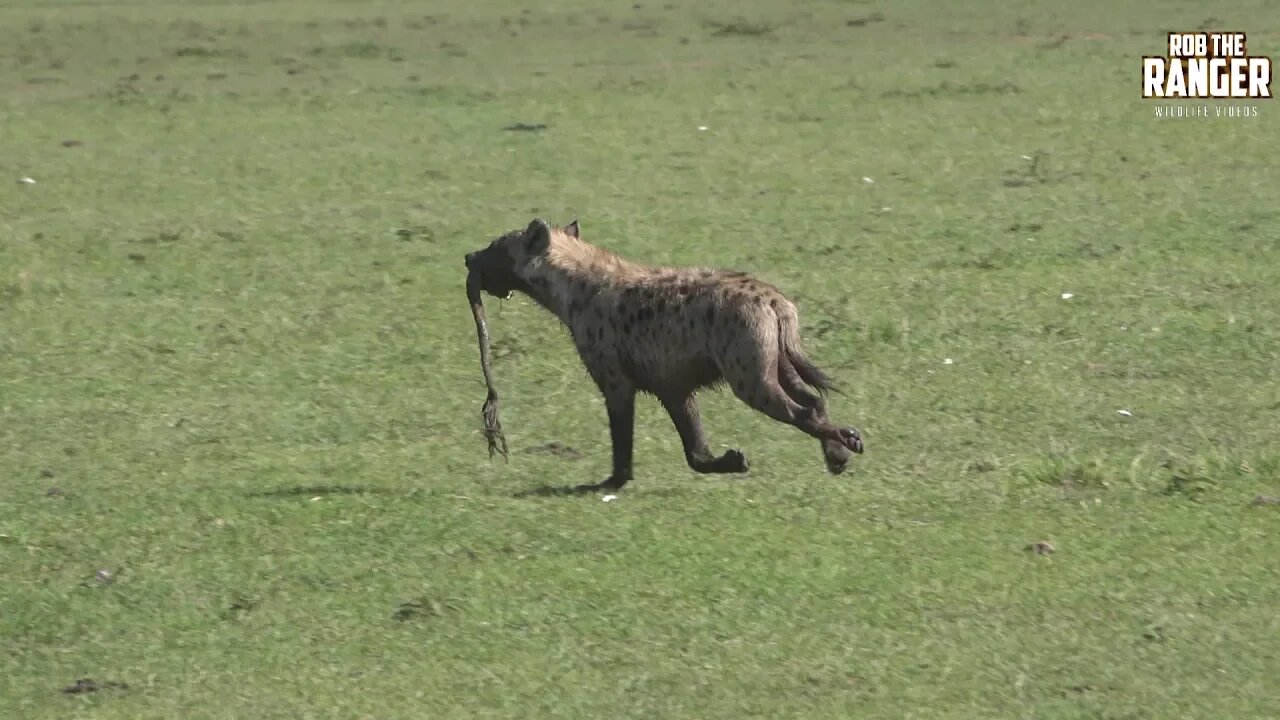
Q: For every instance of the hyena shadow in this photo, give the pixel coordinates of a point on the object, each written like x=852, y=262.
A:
x=576, y=491
x=556, y=491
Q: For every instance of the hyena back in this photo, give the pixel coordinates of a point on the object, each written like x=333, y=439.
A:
x=669, y=332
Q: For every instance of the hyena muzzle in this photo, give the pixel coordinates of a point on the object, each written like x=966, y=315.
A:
x=669, y=332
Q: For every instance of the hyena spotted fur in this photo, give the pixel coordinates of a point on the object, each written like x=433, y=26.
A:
x=669, y=332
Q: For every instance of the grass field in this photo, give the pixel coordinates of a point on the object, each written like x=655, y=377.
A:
x=241, y=468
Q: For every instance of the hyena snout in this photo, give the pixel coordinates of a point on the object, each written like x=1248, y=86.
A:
x=494, y=275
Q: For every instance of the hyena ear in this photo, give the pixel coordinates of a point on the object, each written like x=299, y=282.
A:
x=572, y=228
x=537, y=237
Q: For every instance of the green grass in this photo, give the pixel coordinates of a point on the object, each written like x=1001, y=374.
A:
x=237, y=369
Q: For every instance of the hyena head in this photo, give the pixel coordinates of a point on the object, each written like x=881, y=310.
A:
x=513, y=260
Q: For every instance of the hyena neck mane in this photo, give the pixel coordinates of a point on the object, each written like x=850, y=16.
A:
x=573, y=270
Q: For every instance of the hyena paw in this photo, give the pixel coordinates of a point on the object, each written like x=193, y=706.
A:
x=735, y=462
x=836, y=457
x=612, y=483
x=852, y=439
x=732, y=461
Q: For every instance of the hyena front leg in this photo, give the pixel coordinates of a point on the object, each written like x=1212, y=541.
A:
x=622, y=424
x=683, y=409
x=620, y=402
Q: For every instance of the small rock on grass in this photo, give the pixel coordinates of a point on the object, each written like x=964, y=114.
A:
x=1040, y=547
x=87, y=685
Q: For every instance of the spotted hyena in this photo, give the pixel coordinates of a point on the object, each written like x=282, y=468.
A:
x=668, y=332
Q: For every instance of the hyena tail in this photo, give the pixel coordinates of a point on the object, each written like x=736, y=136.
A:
x=789, y=338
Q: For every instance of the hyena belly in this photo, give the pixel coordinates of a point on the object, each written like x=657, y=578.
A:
x=676, y=336
x=656, y=342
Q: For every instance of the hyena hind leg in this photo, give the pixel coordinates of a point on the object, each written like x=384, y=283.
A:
x=765, y=393
x=835, y=451
x=683, y=409
x=797, y=390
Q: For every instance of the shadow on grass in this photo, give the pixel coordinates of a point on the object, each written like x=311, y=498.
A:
x=559, y=491
x=576, y=490
x=316, y=490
